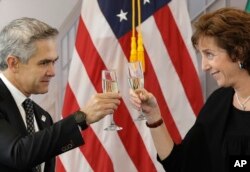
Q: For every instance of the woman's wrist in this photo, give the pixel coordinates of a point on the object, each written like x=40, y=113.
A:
x=153, y=117
x=154, y=121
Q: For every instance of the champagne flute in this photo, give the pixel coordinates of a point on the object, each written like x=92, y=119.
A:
x=136, y=80
x=109, y=84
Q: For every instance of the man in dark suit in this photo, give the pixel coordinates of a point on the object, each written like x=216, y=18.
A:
x=27, y=57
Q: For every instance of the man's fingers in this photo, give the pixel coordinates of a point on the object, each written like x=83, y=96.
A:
x=109, y=95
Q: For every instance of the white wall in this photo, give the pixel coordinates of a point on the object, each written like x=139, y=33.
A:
x=52, y=12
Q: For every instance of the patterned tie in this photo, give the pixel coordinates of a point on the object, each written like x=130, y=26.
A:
x=28, y=107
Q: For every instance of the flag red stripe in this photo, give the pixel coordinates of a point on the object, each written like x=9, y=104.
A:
x=155, y=88
x=180, y=57
x=93, y=65
x=59, y=165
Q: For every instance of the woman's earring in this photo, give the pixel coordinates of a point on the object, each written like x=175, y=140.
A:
x=240, y=65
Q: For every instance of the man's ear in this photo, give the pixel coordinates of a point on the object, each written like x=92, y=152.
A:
x=13, y=63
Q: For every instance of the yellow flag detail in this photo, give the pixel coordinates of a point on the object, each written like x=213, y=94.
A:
x=140, y=51
x=133, y=52
x=137, y=51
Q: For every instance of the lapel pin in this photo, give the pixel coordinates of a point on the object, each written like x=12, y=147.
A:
x=43, y=118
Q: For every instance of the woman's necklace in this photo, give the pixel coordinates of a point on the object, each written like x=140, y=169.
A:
x=242, y=105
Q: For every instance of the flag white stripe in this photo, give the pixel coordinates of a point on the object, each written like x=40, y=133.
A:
x=83, y=83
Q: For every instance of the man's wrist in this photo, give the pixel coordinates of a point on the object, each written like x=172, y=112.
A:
x=80, y=118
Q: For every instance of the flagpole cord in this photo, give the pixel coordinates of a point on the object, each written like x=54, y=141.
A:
x=133, y=52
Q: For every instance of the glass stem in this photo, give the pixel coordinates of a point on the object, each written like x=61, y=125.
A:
x=112, y=122
x=140, y=110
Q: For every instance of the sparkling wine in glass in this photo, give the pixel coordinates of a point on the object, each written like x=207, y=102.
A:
x=109, y=84
x=136, y=80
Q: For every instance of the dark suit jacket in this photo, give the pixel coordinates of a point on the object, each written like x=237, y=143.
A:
x=202, y=148
x=19, y=152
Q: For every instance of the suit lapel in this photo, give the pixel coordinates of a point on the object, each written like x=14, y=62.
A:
x=42, y=117
x=41, y=120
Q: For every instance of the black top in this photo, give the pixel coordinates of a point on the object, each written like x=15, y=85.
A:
x=219, y=131
x=237, y=136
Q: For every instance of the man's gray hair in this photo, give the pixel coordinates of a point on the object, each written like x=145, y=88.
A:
x=19, y=36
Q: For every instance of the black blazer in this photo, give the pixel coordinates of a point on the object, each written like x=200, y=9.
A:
x=19, y=152
x=202, y=148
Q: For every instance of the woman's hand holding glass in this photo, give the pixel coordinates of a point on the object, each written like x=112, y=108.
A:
x=136, y=81
x=141, y=99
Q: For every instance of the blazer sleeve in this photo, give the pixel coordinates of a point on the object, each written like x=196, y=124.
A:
x=191, y=155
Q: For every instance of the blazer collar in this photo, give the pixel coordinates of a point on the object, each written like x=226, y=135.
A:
x=41, y=118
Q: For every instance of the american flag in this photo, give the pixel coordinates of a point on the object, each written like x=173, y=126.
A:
x=103, y=42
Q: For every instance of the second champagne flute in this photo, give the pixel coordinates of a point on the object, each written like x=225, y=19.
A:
x=109, y=84
x=136, y=80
